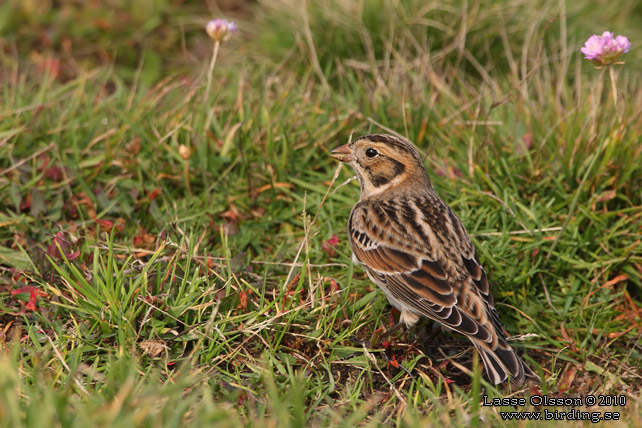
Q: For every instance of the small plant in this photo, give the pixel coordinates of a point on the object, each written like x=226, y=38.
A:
x=219, y=30
x=606, y=50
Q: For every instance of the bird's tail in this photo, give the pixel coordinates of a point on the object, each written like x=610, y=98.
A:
x=502, y=362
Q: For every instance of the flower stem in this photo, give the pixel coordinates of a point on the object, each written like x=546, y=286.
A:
x=209, y=73
x=186, y=176
x=613, y=86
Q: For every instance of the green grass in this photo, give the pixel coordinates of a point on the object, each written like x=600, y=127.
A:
x=200, y=291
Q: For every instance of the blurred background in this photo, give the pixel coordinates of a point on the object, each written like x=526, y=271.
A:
x=163, y=37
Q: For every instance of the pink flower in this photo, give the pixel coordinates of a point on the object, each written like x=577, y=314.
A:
x=220, y=29
x=605, y=49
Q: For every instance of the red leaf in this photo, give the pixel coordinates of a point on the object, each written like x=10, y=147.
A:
x=34, y=293
x=523, y=145
x=607, y=196
x=242, y=300
x=333, y=241
x=144, y=240
x=394, y=362
x=329, y=245
x=120, y=224
x=452, y=172
x=54, y=173
x=154, y=194
x=44, y=158
x=26, y=203
x=566, y=379
x=51, y=67
x=60, y=239
x=104, y=223
x=72, y=256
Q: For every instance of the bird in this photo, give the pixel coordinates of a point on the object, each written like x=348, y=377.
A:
x=414, y=247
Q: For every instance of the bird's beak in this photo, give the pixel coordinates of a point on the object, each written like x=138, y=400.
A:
x=342, y=153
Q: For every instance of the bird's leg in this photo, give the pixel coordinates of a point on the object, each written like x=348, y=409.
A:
x=369, y=343
x=427, y=334
x=387, y=333
x=354, y=339
x=390, y=331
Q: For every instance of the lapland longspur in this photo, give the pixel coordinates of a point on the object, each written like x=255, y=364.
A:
x=414, y=247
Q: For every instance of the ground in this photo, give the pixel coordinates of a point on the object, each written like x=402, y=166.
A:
x=170, y=256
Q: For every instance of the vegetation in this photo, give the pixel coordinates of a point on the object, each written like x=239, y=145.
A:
x=172, y=258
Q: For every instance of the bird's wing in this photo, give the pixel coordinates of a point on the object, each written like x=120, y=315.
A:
x=422, y=255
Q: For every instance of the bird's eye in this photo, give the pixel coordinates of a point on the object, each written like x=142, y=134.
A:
x=371, y=153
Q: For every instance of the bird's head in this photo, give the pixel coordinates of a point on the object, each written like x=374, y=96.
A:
x=383, y=161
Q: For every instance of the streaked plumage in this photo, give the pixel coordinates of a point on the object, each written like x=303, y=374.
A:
x=414, y=247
